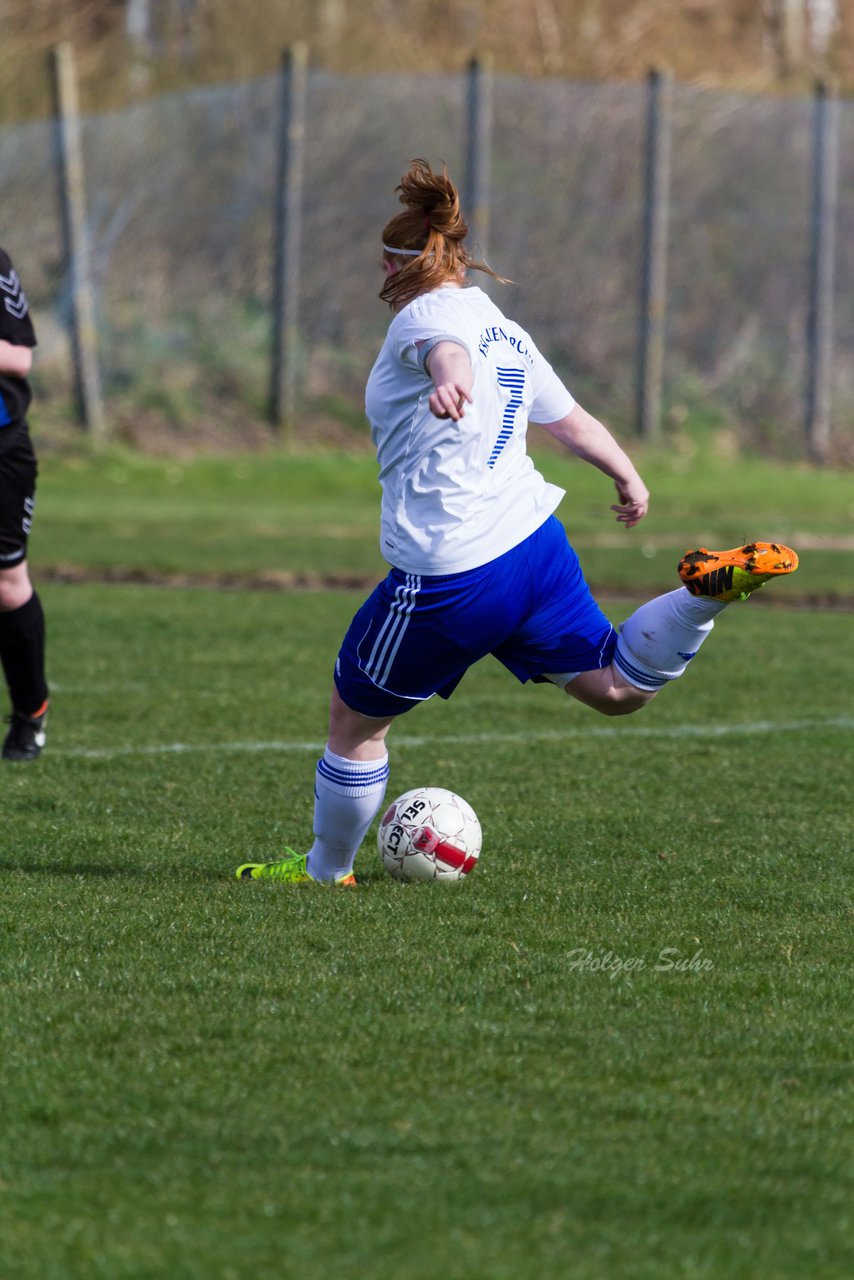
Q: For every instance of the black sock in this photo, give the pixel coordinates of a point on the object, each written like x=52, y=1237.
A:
x=22, y=655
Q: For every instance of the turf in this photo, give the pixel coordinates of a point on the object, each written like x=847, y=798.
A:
x=619, y=1050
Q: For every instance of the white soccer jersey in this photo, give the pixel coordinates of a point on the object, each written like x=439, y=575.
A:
x=458, y=494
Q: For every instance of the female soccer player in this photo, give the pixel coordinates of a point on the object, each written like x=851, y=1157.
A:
x=480, y=563
x=22, y=629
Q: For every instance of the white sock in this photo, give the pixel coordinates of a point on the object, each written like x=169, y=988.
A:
x=347, y=795
x=661, y=637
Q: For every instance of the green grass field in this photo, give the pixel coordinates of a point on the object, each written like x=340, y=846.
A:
x=621, y=1050
x=320, y=514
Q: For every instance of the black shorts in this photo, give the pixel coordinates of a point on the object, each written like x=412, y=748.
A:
x=18, y=470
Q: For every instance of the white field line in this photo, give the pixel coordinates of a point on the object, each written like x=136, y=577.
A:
x=478, y=739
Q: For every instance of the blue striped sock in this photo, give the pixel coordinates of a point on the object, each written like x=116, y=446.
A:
x=661, y=637
x=347, y=795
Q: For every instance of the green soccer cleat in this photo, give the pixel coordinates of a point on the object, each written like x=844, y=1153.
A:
x=291, y=869
x=732, y=575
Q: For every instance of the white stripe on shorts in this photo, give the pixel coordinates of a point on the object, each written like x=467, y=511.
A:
x=391, y=620
x=392, y=631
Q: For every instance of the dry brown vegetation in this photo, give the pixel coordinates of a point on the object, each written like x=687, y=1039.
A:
x=132, y=48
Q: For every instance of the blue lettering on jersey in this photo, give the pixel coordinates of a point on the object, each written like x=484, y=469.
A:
x=514, y=381
x=4, y=413
x=497, y=334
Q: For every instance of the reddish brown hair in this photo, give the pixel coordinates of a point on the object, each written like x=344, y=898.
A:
x=433, y=223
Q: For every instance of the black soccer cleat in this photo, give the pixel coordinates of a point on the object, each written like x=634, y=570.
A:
x=26, y=736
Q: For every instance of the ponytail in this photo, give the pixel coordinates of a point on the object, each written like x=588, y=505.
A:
x=428, y=236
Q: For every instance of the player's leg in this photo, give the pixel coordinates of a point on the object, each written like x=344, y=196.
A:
x=349, y=786
x=22, y=626
x=659, y=639
x=415, y=636
x=381, y=648
x=22, y=656
x=355, y=736
x=654, y=646
x=15, y=587
x=605, y=690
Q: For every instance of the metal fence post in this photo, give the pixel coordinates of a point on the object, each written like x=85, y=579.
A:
x=84, y=342
x=287, y=228
x=656, y=222
x=478, y=150
x=825, y=186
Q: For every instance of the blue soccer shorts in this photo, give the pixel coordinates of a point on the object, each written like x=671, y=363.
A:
x=416, y=636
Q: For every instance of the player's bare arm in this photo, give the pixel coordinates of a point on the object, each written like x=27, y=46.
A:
x=18, y=361
x=590, y=440
x=450, y=368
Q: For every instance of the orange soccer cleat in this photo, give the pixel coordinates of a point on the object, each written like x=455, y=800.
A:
x=732, y=575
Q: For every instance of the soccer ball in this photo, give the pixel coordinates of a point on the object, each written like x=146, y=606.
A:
x=429, y=834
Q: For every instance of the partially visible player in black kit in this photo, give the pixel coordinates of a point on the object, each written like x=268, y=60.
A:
x=22, y=629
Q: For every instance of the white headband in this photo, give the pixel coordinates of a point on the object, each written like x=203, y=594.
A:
x=407, y=253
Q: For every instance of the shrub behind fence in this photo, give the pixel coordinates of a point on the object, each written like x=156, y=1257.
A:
x=181, y=196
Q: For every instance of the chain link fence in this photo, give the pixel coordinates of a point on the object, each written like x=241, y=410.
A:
x=180, y=195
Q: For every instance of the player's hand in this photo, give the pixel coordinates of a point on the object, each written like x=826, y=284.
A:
x=634, y=501
x=448, y=401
